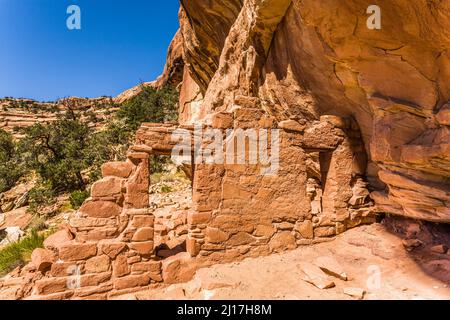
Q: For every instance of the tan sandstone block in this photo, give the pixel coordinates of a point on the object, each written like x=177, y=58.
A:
x=153, y=267
x=83, y=223
x=94, y=292
x=132, y=281
x=120, y=266
x=117, y=169
x=57, y=239
x=89, y=280
x=101, y=209
x=98, y=264
x=112, y=249
x=137, y=195
x=77, y=251
x=241, y=238
x=192, y=247
x=282, y=241
x=53, y=296
x=315, y=276
x=64, y=269
x=291, y=125
x=51, y=285
x=97, y=234
x=215, y=235
x=107, y=187
x=143, y=248
x=42, y=259
x=194, y=217
x=264, y=231
x=143, y=234
x=222, y=120
x=305, y=229
x=143, y=221
x=324, y=232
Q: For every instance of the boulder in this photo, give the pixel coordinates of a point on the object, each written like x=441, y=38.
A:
x=57, y=239
x=178, y=268
x=107, y=187
x=43, y=259
x=16, y=218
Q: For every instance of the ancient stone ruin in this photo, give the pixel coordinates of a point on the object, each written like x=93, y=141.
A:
x=108, y=248
x=363, y=128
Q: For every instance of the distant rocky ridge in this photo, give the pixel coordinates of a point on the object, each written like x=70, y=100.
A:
x=21, y=113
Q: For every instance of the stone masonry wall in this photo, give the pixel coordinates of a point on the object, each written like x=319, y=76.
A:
x=108, y=249
x=318, y=192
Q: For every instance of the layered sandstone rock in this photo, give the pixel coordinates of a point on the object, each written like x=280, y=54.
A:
x=362, y=120
x=302, y=59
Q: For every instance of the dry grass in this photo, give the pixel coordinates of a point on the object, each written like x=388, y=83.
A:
x=19, y=253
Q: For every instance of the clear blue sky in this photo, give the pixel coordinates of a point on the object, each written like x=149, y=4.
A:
x=121, y=42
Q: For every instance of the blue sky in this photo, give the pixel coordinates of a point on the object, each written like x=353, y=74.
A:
x=120, y=44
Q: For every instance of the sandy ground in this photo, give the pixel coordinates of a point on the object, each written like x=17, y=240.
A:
x=374, y=259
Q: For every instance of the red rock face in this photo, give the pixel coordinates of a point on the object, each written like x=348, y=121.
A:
x=362, y=117
x=303, y=59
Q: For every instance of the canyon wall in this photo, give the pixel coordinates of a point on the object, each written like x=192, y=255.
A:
x=301, y=59
x=363, y=121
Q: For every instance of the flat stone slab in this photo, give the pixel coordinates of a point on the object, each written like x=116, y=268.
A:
x=356, y=293
x=314, y=275
x=330, y=266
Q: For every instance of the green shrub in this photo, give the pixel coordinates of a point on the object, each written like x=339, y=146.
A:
x=150, y=105
x=19, y=253
x=77, y=198
x=67, y=154
x=166, y=189
x=41, y=195
x=11, y=165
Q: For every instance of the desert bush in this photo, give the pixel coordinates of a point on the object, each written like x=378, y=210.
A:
x=166, y=188
x=150, y=105
x=77, y=198
x=11, y=165
x=57, y=151
x=41, y=195
x=19, y=253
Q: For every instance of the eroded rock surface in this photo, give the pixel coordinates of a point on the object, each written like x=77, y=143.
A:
x=302, y=59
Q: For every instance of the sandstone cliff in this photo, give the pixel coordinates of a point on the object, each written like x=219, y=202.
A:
x=300, y=59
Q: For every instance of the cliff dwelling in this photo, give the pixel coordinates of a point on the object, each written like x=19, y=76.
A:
x=362, y=124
